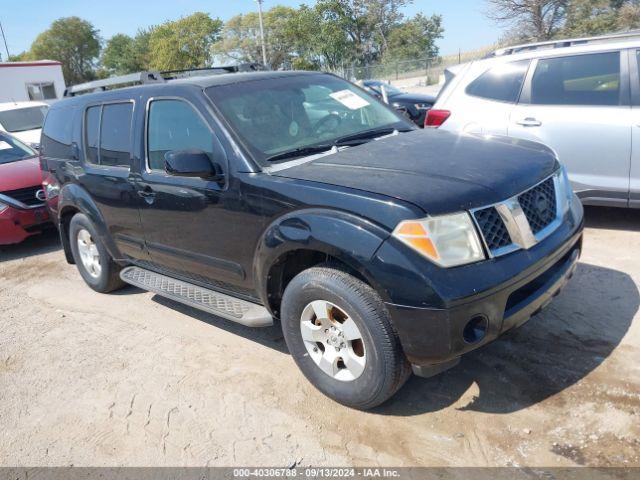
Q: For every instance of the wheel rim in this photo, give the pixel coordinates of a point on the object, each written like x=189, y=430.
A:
x=333, y=340
x=89, y=253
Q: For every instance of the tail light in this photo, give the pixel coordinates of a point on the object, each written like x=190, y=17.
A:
x=436, y=118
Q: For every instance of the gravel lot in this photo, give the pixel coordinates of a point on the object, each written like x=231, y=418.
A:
x=132, y=379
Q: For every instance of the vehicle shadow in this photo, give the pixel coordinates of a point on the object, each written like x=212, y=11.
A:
x=268, y=336
x=612, y=218
x=551, y=352
x=46, y=242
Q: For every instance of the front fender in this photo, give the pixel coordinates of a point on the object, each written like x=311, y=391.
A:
x=349, y=238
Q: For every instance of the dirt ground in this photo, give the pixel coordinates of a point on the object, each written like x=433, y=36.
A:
x=131, y=379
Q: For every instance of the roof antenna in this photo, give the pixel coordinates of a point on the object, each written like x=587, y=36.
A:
x=5, y=42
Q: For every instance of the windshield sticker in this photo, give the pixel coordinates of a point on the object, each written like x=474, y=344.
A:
x=4, y=145
x=349, y=99
x=294, y=129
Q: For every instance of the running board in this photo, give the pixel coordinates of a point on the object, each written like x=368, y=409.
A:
x=210, y=301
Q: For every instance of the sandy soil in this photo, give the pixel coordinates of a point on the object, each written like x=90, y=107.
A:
x=133, y=379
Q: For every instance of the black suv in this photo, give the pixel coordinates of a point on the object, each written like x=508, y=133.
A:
x=380, y=248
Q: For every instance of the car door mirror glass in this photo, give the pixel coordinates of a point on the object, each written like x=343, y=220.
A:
x=191, y=163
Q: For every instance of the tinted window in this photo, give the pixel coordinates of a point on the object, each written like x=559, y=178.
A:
x=56, y=134
x=502, y=83
x=115, y=135
x=23, y=119
x=578, y=80
x=175, y=125
x=12, y=150
x=91, y=133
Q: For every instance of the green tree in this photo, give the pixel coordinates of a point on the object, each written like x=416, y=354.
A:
x=415, y=38
x=595, y=17
x=73, y=42
x=119, y=55
x=184, y=43
x=530, y=19
x=240, y=39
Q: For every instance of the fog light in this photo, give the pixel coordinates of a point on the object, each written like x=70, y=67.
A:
x=475, y=329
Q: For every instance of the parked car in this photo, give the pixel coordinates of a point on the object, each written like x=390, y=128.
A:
x=23, y=120
x=580, y=97
x=380, y=248
x=413, y=105
x=22, y=209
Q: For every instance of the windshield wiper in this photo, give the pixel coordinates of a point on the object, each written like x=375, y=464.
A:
x=367, y=135
x=300, y=152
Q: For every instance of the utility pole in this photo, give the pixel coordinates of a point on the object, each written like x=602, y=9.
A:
x=264, y=48
x=5, y=41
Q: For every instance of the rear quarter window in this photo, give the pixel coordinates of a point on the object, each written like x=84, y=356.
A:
x=501, y=83
x=57, y=133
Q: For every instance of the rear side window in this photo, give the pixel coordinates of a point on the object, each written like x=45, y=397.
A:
x=502, y=83
x=56, y=133
x=175, y=125
x=578, y=80
x=107, y=134
x=115, y=135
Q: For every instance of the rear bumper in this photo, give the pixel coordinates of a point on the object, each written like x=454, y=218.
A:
x=17, y=224
x=434, y=338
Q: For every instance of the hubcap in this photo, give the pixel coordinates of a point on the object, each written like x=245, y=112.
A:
x=333, y=340
x=89, y=253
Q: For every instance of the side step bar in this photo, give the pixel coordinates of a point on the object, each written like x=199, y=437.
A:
x=225, y=306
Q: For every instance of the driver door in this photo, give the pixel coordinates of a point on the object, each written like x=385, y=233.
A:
x=188, y=222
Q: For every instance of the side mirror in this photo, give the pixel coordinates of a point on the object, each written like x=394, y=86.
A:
x=191, y=163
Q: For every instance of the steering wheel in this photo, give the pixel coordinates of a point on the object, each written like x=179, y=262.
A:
x=327, y=124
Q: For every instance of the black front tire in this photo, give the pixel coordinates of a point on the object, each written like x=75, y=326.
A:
x=109, y=278
x=386, y=367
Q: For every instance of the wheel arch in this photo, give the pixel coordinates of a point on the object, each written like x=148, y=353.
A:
x=307, y=238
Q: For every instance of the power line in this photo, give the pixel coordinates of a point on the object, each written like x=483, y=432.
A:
x=5, y=41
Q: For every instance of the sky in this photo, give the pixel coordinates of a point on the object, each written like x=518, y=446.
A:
x=466, y=27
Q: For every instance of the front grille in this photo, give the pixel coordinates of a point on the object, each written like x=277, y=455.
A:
x=493, y=228
x=539, y=205
x=25, y=195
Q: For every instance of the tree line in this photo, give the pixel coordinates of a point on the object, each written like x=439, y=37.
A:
x=330, y=34
x=539, y=20
x=327, y=35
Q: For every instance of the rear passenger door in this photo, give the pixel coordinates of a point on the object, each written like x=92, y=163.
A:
x=634, y=180
x=579, y=106
x=108, y=143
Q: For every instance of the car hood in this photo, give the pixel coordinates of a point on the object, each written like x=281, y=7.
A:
x=20, y=174
x=413, y=98
x=30, y=137
x=438, y=171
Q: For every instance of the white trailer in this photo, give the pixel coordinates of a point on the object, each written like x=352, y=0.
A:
x=40, y=80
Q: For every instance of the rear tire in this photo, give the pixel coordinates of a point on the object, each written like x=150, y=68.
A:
x=94, y=263
x=361, y=373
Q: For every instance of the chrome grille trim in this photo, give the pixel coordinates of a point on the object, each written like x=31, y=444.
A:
x=516, y=222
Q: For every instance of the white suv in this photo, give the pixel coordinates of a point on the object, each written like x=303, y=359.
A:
x=580, y=97
x=23, y=120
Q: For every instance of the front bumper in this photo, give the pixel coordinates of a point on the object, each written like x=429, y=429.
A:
x=18, y=224
x=431, y=337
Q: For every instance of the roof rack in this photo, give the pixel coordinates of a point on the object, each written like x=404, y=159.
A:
x=143, y=78
x=564, y=43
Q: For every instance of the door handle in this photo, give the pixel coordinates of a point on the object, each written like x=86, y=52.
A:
x=148, y=194
x=529, y=122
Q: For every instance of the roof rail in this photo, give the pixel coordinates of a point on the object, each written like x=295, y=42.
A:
x=120, y=81
x=142, y=78
x=564, y=43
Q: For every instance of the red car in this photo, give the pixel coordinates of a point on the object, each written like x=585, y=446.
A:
x=22, y=208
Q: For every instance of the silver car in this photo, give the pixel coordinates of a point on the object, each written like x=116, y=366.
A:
x=579, y=97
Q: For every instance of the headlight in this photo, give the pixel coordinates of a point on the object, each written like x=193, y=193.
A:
x=447, y=240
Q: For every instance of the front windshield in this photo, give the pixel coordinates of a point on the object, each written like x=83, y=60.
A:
x=23, y=119
x=12, y=150
x=277, y=115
